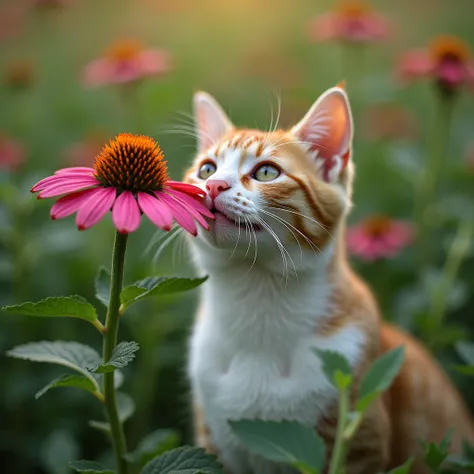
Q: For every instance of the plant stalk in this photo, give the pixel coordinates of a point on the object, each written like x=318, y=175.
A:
x=338, y=456
x=109, y=343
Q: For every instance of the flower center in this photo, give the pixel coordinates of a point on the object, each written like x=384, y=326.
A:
x=377, y=226
x=449, y=47
x=124, y=50
x=132, y=162
x=352, y=9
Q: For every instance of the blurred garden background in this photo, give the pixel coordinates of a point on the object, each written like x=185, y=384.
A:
x=414, y=155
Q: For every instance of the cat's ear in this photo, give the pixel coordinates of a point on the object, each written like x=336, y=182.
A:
x=211, y=121
x=327, y=131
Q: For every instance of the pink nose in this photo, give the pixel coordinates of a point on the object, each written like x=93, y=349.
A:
x=216, y=186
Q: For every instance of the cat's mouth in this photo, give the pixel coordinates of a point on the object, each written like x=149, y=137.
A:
x=242, y=223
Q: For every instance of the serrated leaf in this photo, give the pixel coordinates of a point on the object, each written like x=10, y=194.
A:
x=122, y=355
x=380, y=376
x=125, y=407
x=334, y=362
x=58, y=307
x=70, y=354
x=102, y=285
x=184, y=460
x=89, y=467
x=153, y=445
x=76, y=381
x=403, y=469
x=154, y=286
x=286, y=441
x=466, y=351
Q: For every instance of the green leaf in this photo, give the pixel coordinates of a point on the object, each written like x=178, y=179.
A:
x=336, y=368
x=380, y=376
x=58, y=307
x=286, y=441
x=125, y=407
x=77, y=381
x=122, y=355
x=154, y=286
x=466, y=351
x=102, y=285
x=403, y=469
x=184, y=460
x=153, y=445
x=461, y=462
x=464, y=369
x=70, y=354
x=89, y=467
x=435, y=454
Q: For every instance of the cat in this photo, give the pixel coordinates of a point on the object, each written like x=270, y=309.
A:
x=280, y=285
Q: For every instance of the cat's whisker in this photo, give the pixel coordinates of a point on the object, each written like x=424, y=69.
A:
x=166, y=242
x=238, y=239
x=254, y=235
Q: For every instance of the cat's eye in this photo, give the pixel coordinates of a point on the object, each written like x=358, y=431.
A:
x=206, y=170
x=266, y=173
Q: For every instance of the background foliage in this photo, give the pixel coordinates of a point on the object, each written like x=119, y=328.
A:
x=243, y=53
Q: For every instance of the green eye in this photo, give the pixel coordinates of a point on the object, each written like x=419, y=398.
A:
x=266, y=173
x=206, y=170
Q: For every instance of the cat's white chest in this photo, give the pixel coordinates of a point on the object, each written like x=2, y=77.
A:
x=250, y=360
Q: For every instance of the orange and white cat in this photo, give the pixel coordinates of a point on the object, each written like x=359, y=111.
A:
x=280, y=286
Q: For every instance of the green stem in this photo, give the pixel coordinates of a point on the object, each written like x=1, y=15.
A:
x=110, y=341
x=338, y=457
x=431, y=176
x=456, y=255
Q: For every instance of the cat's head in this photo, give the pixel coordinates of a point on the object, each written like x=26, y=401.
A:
x=281, y=192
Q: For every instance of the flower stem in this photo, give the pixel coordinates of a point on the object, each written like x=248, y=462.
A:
x=110, y=341
x=456, y=255
x=338, y=457
x=431, y=176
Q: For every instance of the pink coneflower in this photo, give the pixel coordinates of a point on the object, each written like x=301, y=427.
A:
x=447, y=61
x=378, y=237
x=12, y=154
x=352, y=22
x=127, y=61
x=130, y=177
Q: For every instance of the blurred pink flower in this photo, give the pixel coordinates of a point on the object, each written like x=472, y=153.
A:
x=447, y=61
x=388, y=121
x=351, y=21
x=378, y=237
x=129, y=177
x=84, y=153
x=127, y=61
x=12, y=154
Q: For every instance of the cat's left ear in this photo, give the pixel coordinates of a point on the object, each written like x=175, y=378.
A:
x=327, y=130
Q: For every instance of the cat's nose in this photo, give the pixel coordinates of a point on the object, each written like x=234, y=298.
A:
x=216, y=186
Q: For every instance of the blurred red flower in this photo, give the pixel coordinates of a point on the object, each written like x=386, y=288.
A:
x=127, y=61
x=12, y=154
x=351, y=21
x=19, y=74
x=447, y=61
x=388, y=121
x=378, y=237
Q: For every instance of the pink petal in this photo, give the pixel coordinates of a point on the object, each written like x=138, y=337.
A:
x=193, y=211
x=192, y=202
x=69, y=204
x=67, y=185
x=154, y=62
x=181, y=214
x=155, y=210
x=414, y=64
x=126, y=213
x=56, y=179
x=98, y=204
x=76, y=169
x=186, y=188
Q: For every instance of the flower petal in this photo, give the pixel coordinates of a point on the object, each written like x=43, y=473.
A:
x=76, y=169
x=180, y=213
x=126, y=213
x=195, y=208
x=67, y=185
x=157, y=211
x=186, y=188
x=56, y=179
x=69, y=204
x=98, y=204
